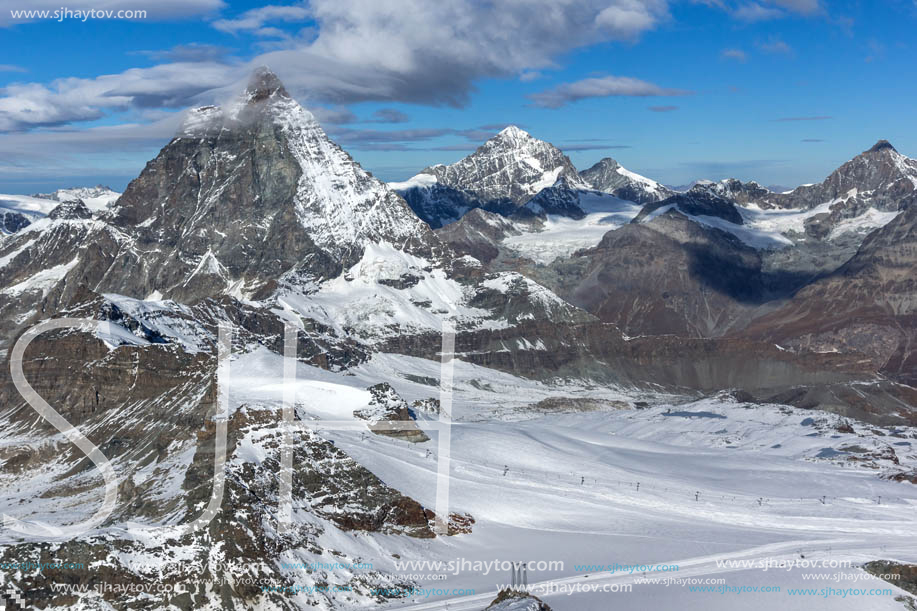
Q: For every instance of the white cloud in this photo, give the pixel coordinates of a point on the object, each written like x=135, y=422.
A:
x=67, y=100
x=353, y=50
x=434, y=52
x=607, y=86
x=630, y=18
x=11, y=68
x=254, y=20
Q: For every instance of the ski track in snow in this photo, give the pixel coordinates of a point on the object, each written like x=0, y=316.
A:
x=732, y=454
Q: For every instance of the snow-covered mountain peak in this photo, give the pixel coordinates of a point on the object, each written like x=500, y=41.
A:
x=260, y=171
x=609, y=176
x=606, y=163
x=264, y=99
x=502, y=175
x=512, y=135
x=265, y=96
x=96, y=198
x=264, y=84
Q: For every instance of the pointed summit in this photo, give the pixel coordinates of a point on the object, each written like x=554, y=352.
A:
x=513, y=132
x=271, y=177
x=609, y=176
x=263, y=84
x=882, y=145
x=264, y=99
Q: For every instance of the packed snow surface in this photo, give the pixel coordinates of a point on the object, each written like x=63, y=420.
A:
x=561, y=236
x=690, y=484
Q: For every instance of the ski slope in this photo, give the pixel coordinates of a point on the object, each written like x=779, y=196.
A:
x=717, y=480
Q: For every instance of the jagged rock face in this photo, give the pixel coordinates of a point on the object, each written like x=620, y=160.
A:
x=509, y=168
x=34, y=263
x=243, y=200
x=437, y=204
x=867, y=306
x=478, y=234
x=699, y=201
x=500, y=176
x=249, y=193
x=71, y=209
x=386, y=405
x=880, y=178
x=598, y=351
x=11, y=222
x=735, y=190
x=607, y=175
x=153, y=408
x=561, y=199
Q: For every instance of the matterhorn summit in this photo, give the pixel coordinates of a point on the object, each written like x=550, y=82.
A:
x=260, y=188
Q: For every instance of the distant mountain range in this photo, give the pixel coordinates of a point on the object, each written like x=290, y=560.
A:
x=252, y=216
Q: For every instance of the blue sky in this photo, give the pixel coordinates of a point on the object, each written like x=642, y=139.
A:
x=780, y=91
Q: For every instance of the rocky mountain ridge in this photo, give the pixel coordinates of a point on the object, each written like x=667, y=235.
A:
x=252, y=217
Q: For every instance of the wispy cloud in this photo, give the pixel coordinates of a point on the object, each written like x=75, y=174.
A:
x=365, y=137
x=388, y=115
x=601, y=87
x=736, y=54
x=11, y=68
x=802, y=7
x=348, y=51
x=256, y=20
x=812, y=118
x=812, y=140
x=663, y=108
x=56, y=153
x=68, y=100
x=337, y=115
x=763, y=10
x=407, y=139
x=593, y=146
x=776, y=46
x=193, y=52
x=756, y=12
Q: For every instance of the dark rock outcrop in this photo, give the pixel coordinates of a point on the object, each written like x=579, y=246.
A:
x=70, y=210
x=607, y=175
x=868, y=306
x=699, y=201
x=12, y=221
